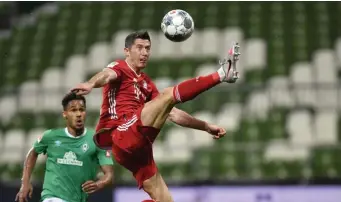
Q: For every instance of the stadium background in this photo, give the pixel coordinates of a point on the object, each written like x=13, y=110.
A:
x=282, y=117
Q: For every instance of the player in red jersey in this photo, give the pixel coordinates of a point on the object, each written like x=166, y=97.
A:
x=133, y=110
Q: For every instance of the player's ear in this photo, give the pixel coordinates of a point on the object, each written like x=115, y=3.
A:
x=64, y=114
x=126, y=52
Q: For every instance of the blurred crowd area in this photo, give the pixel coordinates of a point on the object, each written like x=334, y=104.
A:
x=282, y=117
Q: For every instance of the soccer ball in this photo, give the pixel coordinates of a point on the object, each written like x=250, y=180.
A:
x=177, y=25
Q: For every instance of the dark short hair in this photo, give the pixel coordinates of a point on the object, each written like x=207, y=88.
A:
x=130, y=39
x=72, y=96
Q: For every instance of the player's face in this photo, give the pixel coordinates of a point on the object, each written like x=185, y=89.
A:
x=139, y=53
x=75, y=114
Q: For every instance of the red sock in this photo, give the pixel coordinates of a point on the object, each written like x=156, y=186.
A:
x=187, y=90
x=148, y=200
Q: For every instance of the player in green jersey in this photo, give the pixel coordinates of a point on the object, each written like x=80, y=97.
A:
x=73, y=159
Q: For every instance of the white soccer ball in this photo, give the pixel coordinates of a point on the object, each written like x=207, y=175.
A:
x=177, y=25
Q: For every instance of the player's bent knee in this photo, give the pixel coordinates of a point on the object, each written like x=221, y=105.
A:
x=167, y=93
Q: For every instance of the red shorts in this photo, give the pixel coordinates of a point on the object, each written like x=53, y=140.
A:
x=132, y=147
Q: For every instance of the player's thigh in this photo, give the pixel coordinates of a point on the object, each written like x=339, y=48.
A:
x=133, y=151
x=156, y=111
x=125, y=149
x=157, y=188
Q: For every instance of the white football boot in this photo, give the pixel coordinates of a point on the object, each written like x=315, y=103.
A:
x=228, y=67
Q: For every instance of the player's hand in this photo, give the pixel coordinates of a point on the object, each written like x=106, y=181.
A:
x=82, y=88
x=25, y=190
x=216, y=131
x=90, y=187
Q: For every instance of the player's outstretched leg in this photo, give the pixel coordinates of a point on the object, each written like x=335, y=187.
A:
x=155, y=112
x=157, y=189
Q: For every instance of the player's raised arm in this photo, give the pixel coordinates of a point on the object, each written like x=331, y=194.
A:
x=26, y=188
x=185, y=120
x=97, y=81
x=103, y=77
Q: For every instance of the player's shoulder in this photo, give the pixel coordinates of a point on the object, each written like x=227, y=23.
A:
x=53, y=132
x=117, y=64
x=120, y=67
x=90, y=132
x=50, y=131
x=89, y=135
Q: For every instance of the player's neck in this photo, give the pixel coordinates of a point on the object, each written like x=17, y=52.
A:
x=132, y=67
x=74, y=132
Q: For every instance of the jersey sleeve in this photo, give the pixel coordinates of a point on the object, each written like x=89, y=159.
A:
x=41, y=144
x=104, y=157
x=114, y=66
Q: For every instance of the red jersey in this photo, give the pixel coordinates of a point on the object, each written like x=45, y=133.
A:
x=125, y=95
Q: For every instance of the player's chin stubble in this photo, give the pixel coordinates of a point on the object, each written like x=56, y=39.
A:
x=79, y=131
